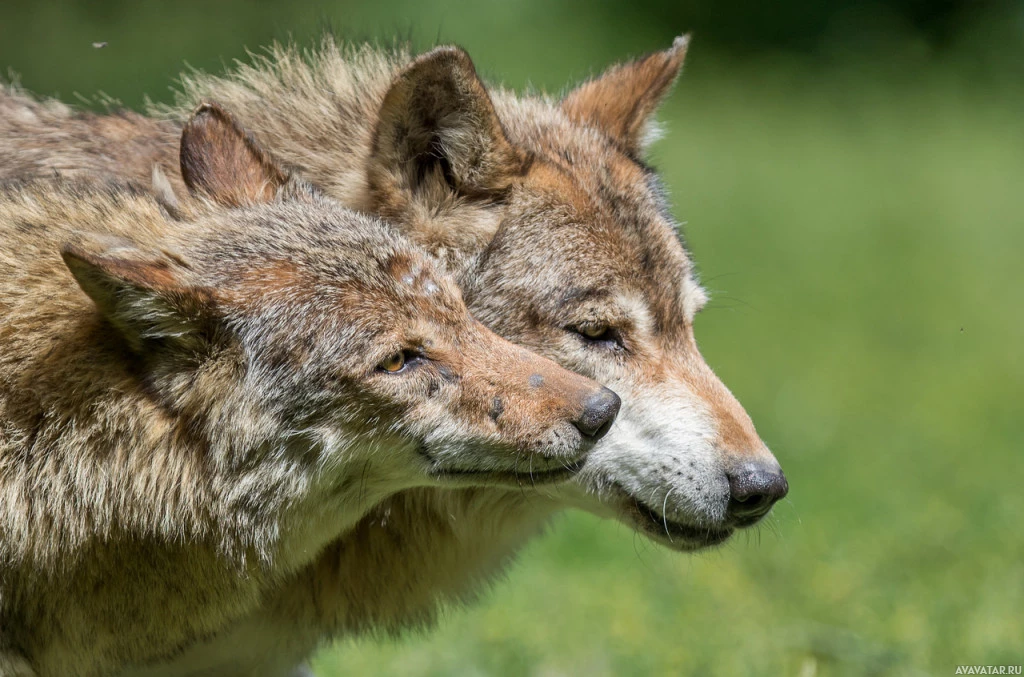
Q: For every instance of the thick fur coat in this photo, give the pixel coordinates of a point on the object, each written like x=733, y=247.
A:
x=561, y=240
x=191, y=409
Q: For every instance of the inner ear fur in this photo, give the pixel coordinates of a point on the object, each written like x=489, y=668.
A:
x=621, y=101
x=437, y=123
x=223, y=162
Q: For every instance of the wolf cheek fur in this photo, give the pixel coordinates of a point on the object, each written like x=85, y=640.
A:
x=210, y=413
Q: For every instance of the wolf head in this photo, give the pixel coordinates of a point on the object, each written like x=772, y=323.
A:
x=280, y=317
x=565, y=245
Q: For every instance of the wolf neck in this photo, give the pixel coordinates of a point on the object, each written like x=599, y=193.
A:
x=154, y=476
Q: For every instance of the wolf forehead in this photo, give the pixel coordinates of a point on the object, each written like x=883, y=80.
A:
x=595, y=218
x=317, y=252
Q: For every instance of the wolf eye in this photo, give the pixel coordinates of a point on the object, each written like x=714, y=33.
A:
x=595, y=332
x=402, y=361
x=599, y=335
x=393, y=363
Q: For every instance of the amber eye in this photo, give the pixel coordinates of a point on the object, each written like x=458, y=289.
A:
x=393, y=363
x=595, y=332
x=599, y=335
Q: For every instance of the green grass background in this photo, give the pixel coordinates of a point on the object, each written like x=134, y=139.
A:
x=859, y=219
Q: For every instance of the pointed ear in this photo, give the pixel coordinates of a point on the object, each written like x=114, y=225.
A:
x=621, y=101
x=222, y=161
x=148, y=297
x=437, y=124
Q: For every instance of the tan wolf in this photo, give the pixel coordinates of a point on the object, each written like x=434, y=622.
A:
x=218, y=398
x=562, y=241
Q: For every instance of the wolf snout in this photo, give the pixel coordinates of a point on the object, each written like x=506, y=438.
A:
x=754, y=488
x=599, y=411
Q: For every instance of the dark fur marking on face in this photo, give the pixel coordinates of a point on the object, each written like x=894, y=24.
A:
x=536, y=380
x=497, y=407
x=528, y=159
x=447, y=375
x=533, y=318
x=432, y=388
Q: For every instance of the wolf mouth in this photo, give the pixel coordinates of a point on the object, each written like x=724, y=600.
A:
x=546, y=476
x=560, y=474
x=669, y=532
x=661, y=527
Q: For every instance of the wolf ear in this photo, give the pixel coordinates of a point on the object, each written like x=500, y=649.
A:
x=621, y=101
x=437, y=125
x=222, y=161
x=147, y=296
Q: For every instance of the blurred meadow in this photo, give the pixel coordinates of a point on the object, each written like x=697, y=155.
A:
x=850, y=179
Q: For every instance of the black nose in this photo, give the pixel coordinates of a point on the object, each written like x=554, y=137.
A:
x=754, y=488
x=599, y=410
